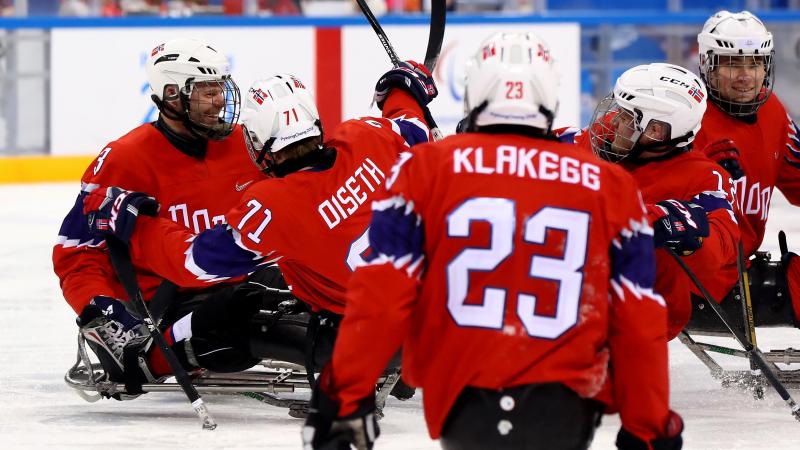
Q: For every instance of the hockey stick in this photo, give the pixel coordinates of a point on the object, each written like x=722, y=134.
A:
x=747, y=303
x=744, y=289
x=121, y=260
x=431, y=55
x=436, y=33
x=753, y=352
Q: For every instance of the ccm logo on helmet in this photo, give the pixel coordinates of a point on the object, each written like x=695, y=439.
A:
x=674, y=81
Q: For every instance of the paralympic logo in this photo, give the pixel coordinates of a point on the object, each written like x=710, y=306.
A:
x=450, y=71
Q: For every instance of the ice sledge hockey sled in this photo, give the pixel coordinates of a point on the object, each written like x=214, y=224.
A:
x=781, y=361
x=271, y=382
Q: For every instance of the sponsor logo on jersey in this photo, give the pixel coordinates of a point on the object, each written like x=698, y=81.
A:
x=241, y=187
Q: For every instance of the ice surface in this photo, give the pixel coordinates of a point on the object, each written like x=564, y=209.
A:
x=37, y=345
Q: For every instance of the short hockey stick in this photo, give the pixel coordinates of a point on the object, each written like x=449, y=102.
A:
x=121, y=260
x=753, y=352
x=387, y=46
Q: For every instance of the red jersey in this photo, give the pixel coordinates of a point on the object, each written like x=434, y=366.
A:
x=195, y=192
x=769, y=154
x=503, y=260
x=312, y=222
x=691, y=177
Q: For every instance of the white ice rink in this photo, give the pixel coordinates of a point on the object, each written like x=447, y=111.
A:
x=37, y=345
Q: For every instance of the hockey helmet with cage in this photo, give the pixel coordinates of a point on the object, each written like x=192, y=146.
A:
x=511, y=80
x=194, y=67
x=737, y=45
x=654, y=108
x=278, y=111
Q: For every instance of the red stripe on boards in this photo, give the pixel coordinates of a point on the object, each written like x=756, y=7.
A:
x=329, y=76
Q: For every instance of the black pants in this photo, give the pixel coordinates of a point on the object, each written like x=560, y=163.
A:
x=534, y=416
x=222, y=322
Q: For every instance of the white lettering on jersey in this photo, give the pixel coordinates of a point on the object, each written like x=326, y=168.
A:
x=349, y=197
x=753, y=200
x=200, y=218
x=529, y=163
x=101, y=159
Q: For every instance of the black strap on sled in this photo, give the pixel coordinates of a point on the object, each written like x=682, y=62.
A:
x=311, y=347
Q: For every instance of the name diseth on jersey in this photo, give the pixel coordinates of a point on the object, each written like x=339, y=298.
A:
x=350, y=196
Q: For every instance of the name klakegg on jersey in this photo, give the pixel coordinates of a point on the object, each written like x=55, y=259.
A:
x=529, y=163
x=350, y=196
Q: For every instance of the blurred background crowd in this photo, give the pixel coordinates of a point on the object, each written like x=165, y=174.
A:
x=182, y=8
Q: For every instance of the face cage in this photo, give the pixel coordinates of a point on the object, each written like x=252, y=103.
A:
x=603, y=130
x=616, y=132
x=227, y=117
x=259, y=153
x=710, y=61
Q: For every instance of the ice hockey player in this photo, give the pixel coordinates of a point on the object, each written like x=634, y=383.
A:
x=193, y=158
x=647, y=124
x=310, y=216
x=747, y=130
x=520, y=269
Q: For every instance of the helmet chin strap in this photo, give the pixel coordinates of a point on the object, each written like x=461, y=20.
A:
x=661, y=149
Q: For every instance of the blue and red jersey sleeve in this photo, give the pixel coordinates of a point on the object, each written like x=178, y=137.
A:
x=79, y=258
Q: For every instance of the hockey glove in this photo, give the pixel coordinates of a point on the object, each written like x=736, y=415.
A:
x=325, y=430
x=679, y=225
x=113, y=211
x=410, y=76
x=112, y=308
x=671, y=441
x=726, y=154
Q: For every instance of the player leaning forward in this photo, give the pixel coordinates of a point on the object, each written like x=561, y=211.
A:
x=310, y=216
x=520, y=269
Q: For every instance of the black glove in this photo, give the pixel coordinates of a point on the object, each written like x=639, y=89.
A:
x=325, y=430
x=726, y=154
x=680, y=226
x=112, y=308
x=410, y=76
x=113, y=211
x=671, y=441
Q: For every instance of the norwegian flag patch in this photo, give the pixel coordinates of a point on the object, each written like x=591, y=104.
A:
x=258, y=96
x=696, y=94
x=158, y=48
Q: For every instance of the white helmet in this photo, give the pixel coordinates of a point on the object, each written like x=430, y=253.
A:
x=736, y=35
x=655, y=108
x=278, y=111
x=511, y=81
x=185, y=63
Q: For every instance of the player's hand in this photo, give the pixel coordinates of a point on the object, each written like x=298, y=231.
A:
x=679, y=225
x=671, y=440
x=110, y=307
x=324, y=429
x=113, y=211
x=410, y=76
x=725, y=153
